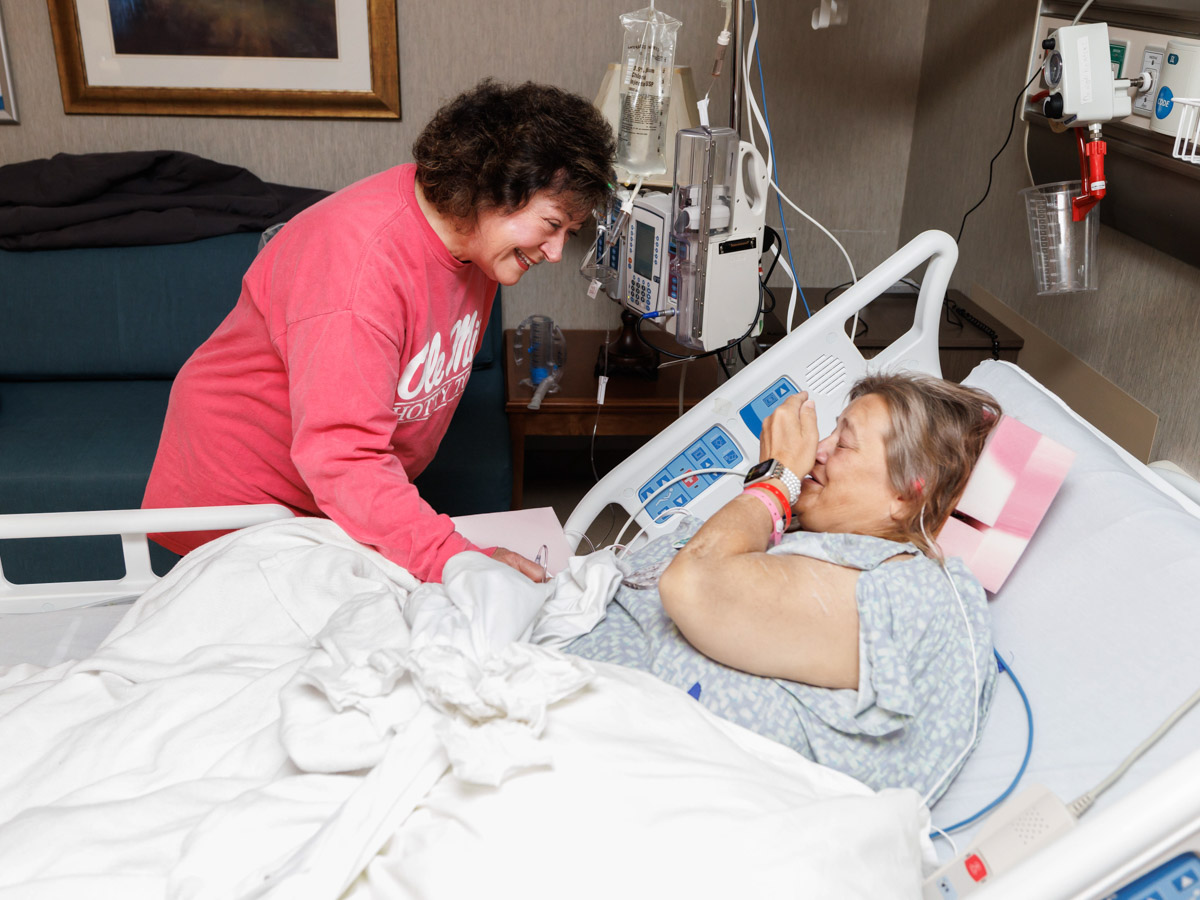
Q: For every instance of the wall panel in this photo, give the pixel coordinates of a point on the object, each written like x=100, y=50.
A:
x=843, y=102
x=1141, y=328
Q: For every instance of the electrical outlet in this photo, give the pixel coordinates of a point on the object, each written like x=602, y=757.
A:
x=1152, y=61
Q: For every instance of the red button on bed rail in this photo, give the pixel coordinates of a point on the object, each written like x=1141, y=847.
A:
x=975, y=867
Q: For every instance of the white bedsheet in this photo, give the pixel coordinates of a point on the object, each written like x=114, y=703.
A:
x=287, y=704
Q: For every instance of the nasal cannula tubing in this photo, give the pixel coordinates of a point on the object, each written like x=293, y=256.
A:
x=962, y=607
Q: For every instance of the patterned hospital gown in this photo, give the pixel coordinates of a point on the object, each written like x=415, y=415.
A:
x=913, y=711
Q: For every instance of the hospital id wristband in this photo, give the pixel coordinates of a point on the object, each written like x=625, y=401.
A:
x=777, y=524
x=783, y=502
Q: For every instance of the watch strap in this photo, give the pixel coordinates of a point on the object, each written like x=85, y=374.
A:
x=790, y=480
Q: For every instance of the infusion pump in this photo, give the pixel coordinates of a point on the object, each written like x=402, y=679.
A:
x=648, y=255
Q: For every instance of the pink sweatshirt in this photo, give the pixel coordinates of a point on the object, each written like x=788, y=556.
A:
x=332, y=382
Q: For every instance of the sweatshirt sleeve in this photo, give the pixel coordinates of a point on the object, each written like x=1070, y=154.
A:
x=342, y=373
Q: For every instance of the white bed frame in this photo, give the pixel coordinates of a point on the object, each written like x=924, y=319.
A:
x=132, y=525
x=1088, y=862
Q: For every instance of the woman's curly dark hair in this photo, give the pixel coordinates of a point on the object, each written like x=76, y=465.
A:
x=495, y=146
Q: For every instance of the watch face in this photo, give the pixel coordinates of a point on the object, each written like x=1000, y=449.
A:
x=760, y=470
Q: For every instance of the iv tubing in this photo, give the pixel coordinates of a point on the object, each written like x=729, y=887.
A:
x=790, y=269
x=764, y=126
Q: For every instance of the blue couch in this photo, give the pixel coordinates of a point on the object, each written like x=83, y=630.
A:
x=89, y=342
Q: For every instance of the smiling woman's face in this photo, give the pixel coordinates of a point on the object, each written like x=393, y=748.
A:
x=848, y=489
x=507, y=245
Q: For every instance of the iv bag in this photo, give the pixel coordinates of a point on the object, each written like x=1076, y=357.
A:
x=647, y=64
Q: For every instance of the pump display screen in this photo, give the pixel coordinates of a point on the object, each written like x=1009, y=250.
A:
x=643, y=251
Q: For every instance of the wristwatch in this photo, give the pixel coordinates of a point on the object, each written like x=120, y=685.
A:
x=773, y=468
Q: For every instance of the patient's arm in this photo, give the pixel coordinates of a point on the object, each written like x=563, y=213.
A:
x=777, y=616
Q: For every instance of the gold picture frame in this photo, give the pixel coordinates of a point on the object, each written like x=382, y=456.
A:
x=8, y=103
x=362, y=79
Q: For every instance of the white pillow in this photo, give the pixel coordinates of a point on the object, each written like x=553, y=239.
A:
x=1100, y=620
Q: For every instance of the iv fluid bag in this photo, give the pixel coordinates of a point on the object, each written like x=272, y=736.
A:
x=647, y=65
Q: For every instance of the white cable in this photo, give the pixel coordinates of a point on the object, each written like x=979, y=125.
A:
x=974, y=699
x=962, y=607
x=949, y=839
x=650, y=499
x=787, y=200
x=1083, y=802
x=682, y=381
x=795, y=293
x=753, y=113
x=1028, y=168
x=1082, y=10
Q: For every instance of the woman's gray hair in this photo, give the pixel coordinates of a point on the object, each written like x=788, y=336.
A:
x=938, y=429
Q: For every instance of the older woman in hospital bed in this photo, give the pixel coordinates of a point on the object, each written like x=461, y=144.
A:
x=851, y=640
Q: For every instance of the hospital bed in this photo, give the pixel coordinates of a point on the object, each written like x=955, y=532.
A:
x=1098, y=622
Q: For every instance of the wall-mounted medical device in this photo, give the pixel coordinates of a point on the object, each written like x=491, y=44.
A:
x=1083, y=94
x=1179, y=78
x=647, y=255
x=718, y=211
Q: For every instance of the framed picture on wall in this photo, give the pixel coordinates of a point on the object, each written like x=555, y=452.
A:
x=299, y=58
x=8, y=103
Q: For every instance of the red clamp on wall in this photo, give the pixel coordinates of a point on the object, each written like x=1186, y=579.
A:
x=1091, y=173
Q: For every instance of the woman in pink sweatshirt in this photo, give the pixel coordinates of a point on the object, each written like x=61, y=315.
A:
x=331, y=383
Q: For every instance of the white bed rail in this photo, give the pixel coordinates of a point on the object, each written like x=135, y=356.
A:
x=1112, y=847
x=132, y=525
x=818, y=356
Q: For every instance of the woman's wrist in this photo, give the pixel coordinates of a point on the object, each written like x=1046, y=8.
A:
x=775, y=501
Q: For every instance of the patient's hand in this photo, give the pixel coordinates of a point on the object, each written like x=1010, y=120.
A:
x=526, y=567
x=790, y=434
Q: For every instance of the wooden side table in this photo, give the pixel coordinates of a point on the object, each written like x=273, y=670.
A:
x=631, y=406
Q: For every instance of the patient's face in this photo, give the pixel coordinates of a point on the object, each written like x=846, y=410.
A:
x=848, y=489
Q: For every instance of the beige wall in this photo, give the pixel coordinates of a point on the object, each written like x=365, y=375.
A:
x=843, y=106
x=1142, y=327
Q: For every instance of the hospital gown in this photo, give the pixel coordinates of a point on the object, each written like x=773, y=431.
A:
x=913, y=712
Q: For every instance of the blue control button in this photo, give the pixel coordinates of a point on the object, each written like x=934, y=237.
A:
x=1186, y=881
x=690, y=467
x=1176, y=879
x=754, y=412
x=1165, y=102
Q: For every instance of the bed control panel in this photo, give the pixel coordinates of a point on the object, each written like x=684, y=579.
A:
x=757, y=410
x=1176, y=879
x=715, y=449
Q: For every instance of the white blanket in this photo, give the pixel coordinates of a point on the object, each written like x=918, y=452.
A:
x=290, y=715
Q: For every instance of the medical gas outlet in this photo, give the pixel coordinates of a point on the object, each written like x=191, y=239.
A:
x=1079, y=77
x=1082, y=94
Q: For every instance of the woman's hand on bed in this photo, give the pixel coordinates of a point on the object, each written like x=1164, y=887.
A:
x=526, y=567
x=790, y=434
